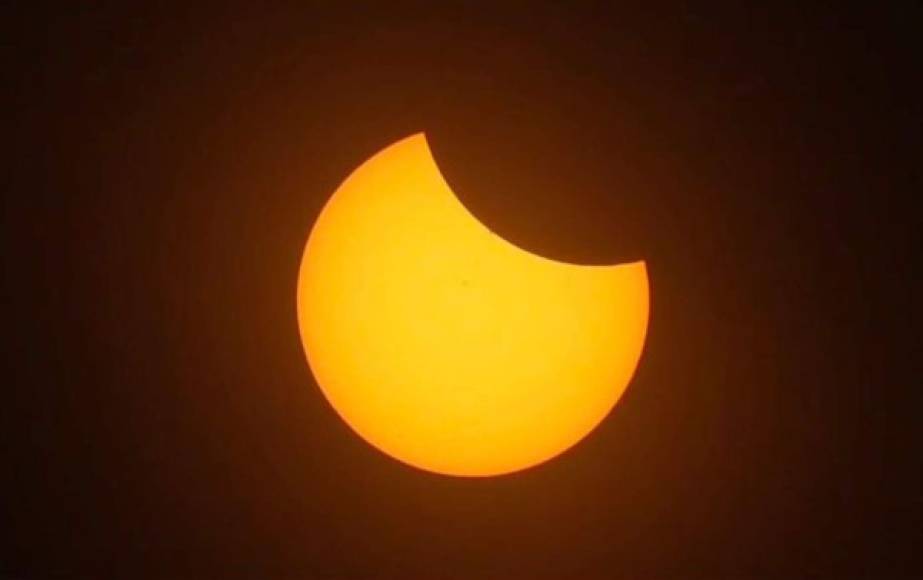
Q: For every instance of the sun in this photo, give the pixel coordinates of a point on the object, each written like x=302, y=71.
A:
x=444, y=345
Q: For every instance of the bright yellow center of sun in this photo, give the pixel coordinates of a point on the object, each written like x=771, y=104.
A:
x=444, y=345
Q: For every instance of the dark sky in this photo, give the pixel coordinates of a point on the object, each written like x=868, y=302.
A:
x=163, y=168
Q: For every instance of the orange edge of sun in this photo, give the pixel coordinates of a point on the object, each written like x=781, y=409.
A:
x=447, y=347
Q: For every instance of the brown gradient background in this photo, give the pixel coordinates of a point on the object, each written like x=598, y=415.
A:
x=164, y=168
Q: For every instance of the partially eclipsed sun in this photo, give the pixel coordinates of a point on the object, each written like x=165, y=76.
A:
x=447, y=347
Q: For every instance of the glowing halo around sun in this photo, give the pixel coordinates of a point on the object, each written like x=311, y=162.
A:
x=447, y=347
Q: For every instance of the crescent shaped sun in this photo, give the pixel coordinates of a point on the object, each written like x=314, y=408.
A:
x=444, y=345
